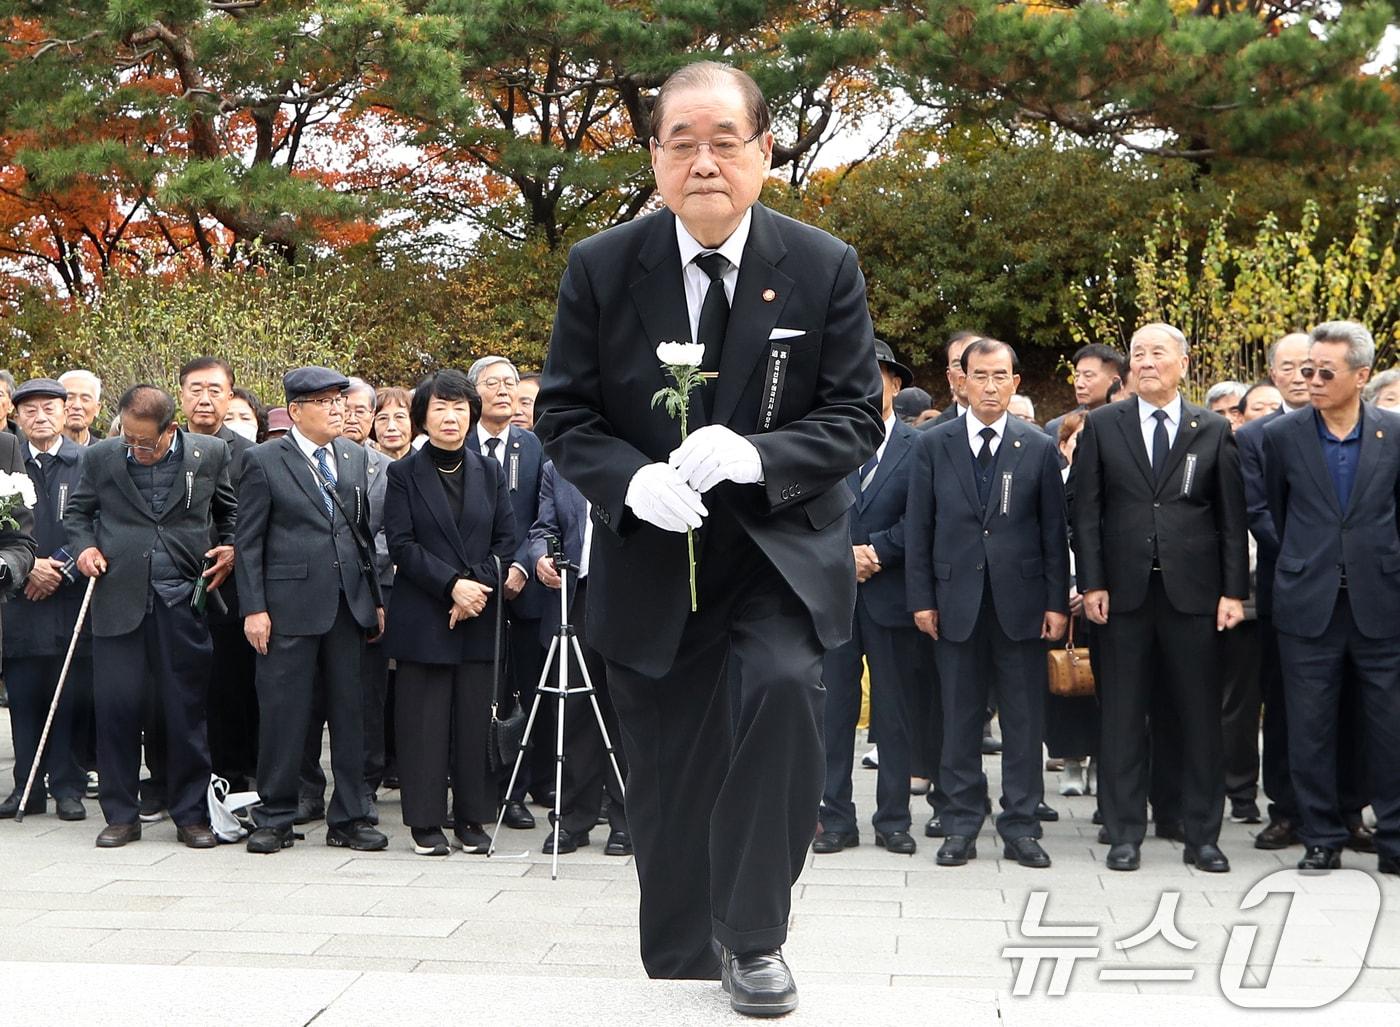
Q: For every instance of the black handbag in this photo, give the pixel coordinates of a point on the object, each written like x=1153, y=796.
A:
x=506, y=734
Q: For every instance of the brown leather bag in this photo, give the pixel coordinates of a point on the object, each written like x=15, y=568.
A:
x=1069, y=669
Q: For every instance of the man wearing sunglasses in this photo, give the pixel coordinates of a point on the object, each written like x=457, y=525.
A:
x=1333, y=480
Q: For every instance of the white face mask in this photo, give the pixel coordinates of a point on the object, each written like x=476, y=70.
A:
x=248, y=429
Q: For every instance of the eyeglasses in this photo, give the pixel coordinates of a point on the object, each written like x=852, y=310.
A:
x=492, y=384
x=982, y=378
x=1325, y=373
x=140, y=447
x=683, y=150
x=325, y=402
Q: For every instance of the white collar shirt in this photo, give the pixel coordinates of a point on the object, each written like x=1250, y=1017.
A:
x=1149, y=423
x=308, y=449
x=482, y=435
x=697, y=283
x=974, y=432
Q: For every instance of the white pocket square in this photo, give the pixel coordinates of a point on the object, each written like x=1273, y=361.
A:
x=785, y=333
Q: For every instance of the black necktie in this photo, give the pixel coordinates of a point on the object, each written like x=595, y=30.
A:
x=1161, y=445
x=714, y=312
x=491, y=445
x=984, y=455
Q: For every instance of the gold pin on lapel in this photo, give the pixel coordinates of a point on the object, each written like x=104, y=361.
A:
x=1380, y=434
x=196, y=452
x=1017, y=443
x=1193, y=424
x=769, y=295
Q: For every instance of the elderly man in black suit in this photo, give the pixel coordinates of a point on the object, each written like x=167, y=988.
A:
x=720, y=823
x=16, y=558
x=881, y=633
x=1333, y=474
x=310, y=597
x=988, y=579
x=147, y=506
x=39, y=618
x=588, y=775
x=1163, y=563
x=957, y=389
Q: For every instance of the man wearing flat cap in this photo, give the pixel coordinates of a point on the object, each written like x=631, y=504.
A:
x=140, y=522
x=883, y=634
x=310, y=598
x=40, y=617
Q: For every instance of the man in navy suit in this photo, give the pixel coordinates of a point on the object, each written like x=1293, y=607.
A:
x=882, y=633
x=588, y=773
x=1333, y=475
x=521, y=458
x=988, y=579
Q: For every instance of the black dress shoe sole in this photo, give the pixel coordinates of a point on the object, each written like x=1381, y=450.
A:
x=80, y=814
x=898, y=850
x=827, y=848
x=617, y=850
x=1047, y=815
x=1034, y=863
x=934, y=831
x=520, y=824
x=338, y=842
x=956, y=861
x=747, y=1008
x=286, y=843
x=1206, y=868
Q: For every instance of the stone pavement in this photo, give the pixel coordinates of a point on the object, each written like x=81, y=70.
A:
x=155, y=932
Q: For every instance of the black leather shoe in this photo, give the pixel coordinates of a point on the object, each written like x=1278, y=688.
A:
x=544, y=799
x=309, y=810
x=1360, y=838
x=1319, y=857
x=1388, y=865
x=37, y=804
x=834, y=841
x=569, y=841
x=758, y=983
x=1171, y=830
x=270, y=839
x=1103, y=836
x=1046, y=813
x=619, y=844
x=1279, y=834
x=114, y=836
x=517, y=817
x=934, y=827
x=70, y=807
x=357, y=835
x=1206, y=857
x=991, y=744
x=1126, y=856
x=956, y=850
x=897, y=842
x=197, y=836
x=1027, y=852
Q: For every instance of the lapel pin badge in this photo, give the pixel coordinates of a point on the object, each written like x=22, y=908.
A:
x=1380, y=434
x=769, y=295
x=1017, y=444
x=1193, y=424
x=196, y=452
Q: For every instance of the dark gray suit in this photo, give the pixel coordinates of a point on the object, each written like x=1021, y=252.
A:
x=991, y=557
x=301, y=566
x=1337, y=610
x=138, y=634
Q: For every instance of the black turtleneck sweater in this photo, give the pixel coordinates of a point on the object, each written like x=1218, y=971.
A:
x=449, y=465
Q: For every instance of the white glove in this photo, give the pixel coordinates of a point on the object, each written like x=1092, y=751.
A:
x=714, y=454
x=659, y=496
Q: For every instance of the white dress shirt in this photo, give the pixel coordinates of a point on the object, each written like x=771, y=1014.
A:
x=1149, y=423
x=54, y=444
x=587, y=539
x=696, y=281
x=974, y=428
x=309, y=449
x=482, y=435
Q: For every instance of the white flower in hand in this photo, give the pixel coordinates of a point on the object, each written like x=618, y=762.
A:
x=681, y=354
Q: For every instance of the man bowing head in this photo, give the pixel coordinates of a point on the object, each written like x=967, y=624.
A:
x=724, y=783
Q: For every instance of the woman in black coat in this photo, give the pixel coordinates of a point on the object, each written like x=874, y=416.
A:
x=446, y=513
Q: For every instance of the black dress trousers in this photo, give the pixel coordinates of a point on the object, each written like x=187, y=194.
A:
x=30, y=681
x=443, y=719
x=721, y=818
x=171, y=647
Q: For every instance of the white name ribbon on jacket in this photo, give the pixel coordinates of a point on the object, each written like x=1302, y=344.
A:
x=189, y=488
x=1005, y=493
x=62, y=499
x=778, y=354
x=1189, y=475
x=513, y=472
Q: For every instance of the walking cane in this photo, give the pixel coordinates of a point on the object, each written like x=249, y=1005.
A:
x=57, y=694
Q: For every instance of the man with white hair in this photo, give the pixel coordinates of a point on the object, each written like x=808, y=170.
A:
x=81, y=407
x=1224, y=398
x=1163, y=563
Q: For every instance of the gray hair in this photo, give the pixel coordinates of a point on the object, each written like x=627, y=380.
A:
x=84, y=373
x=1272, y=351
x=1361, y=348
x=1225, y=390
x=1171, y=331
x=1030, y=403
x=1380, y=382
x=8, y=380
x=712, y=75
x=360, y=385
x=482, y=363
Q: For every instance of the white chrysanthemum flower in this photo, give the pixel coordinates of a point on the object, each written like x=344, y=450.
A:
x=18, y=485
x=681, y=354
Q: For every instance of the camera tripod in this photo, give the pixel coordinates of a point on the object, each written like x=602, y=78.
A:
x=564, y=643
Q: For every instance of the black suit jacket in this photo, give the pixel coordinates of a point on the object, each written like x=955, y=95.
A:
x=16, y=544
x=524, y=460
x=433, y=548
x=1018, y=541
x=878, y=521
x=1249, y=438
x=109, y=512
x=1197, y=514
x=293, y=561
x=620, y=296
x=563, y=514
x=1317, y=538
